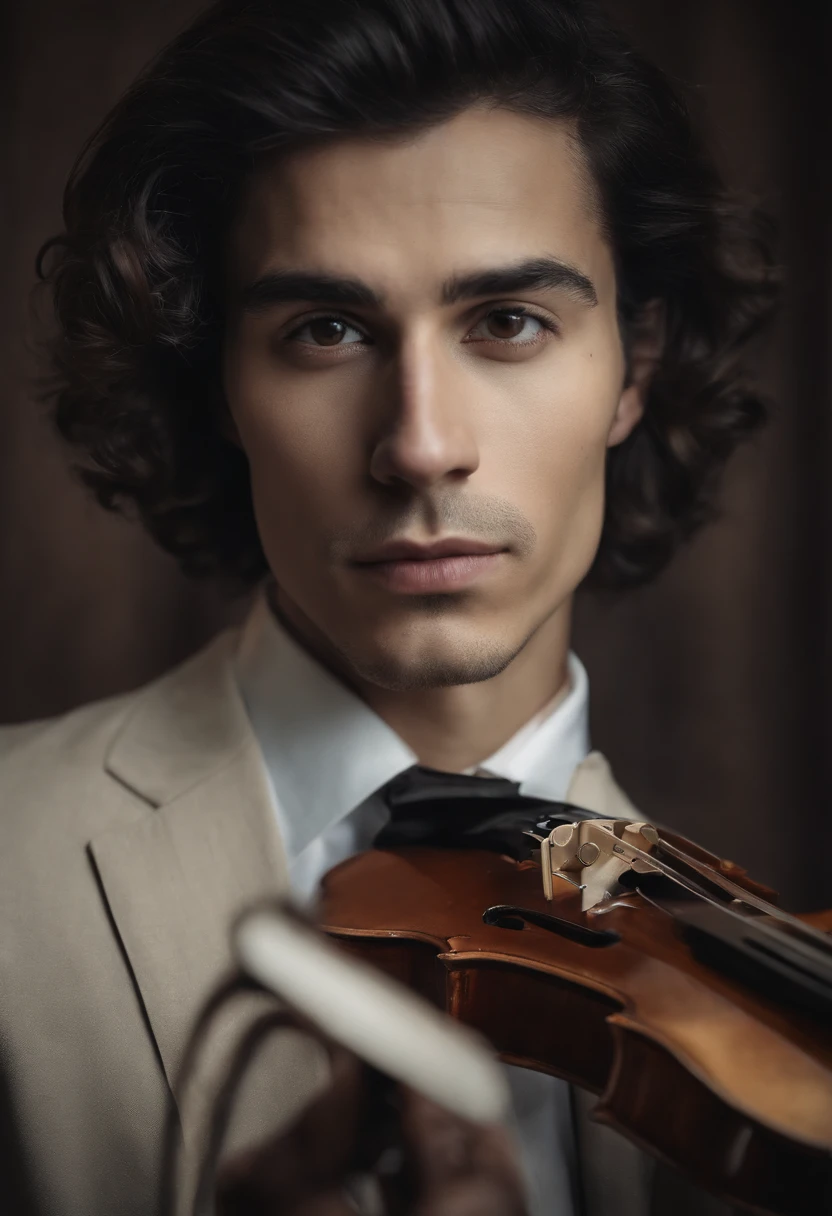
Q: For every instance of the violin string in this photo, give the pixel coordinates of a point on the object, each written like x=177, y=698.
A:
x=815, y=936
x=669, y=872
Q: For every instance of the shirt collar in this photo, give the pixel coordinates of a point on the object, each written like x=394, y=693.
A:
x=326, y=751
x=543, y=754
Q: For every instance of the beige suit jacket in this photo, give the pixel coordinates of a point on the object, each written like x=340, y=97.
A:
x=132, y=831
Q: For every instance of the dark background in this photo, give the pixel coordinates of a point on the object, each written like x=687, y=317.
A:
x=711, y=689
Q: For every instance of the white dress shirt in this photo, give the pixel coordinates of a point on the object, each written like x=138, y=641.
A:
x=327, y=754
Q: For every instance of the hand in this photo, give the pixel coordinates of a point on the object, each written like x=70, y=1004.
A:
x=459, y=1168
x=424, y=1160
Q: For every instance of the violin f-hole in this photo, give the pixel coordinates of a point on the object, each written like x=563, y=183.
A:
x=508, y=916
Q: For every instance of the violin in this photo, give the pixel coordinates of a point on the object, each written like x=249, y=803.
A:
x=628, y=961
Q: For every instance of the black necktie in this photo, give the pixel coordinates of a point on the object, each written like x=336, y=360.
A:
x=454, y=810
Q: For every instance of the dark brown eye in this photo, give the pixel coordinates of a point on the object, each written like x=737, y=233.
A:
x=507, y=324
x=327, y=331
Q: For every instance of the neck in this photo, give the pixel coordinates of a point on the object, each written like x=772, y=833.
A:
x=454, y=728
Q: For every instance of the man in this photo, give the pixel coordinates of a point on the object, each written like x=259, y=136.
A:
x=417, y=315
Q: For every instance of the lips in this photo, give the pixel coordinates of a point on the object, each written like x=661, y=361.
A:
x=405, y=550
x=405, y=567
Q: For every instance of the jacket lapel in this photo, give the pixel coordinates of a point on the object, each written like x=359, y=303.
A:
x=205, y=847
x=594, y=788
x=176, y=878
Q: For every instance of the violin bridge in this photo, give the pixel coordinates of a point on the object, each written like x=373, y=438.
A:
x=596, y=851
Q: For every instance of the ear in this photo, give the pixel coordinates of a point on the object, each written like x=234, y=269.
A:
x=646, y=344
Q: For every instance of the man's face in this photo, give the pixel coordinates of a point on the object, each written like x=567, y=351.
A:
x=414, y=404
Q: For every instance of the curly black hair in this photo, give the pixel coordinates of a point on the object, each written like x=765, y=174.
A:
x=137, y=274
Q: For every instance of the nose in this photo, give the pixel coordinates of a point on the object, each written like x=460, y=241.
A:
x=427, y=434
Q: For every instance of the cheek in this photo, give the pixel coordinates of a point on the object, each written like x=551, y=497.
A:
x=557, y=454
x=293, y=487
x=554, y=471
x=296, y=448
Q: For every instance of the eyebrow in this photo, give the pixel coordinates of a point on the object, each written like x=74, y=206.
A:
x=535, y=274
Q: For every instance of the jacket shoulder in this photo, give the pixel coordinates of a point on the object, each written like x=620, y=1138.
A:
x=74, y=732
x=594, y=788
x=69, y=750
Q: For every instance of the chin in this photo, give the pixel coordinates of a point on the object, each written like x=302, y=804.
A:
x=430, y=667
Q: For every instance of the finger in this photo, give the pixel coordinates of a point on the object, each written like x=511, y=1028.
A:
x=459, y=1165
x=311, y=1156
x=332, y=1203
x=495, y=1153
x=478, y=1195
x=438, y=1145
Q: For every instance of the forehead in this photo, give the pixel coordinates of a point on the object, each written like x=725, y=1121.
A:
x=487, y=187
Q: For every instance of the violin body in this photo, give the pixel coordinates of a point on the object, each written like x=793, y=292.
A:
x=729, y=1086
